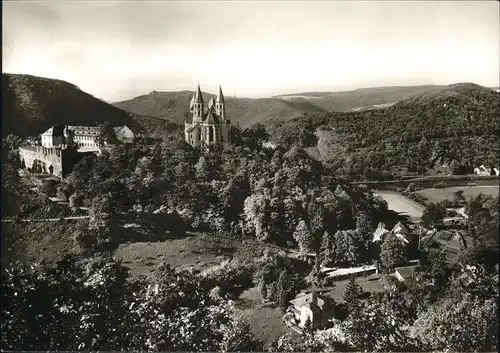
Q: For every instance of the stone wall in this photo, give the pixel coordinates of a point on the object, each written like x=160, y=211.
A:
x=55, y=161
x=48, y=159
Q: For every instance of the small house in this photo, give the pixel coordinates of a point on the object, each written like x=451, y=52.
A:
x=450, y=243
x=319, y=310
x=405, y=272
x=124, y=134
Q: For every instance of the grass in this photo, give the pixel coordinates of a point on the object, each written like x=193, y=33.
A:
x=195, y=251
x=200, y=252
x=265, y=320
x=438, y=195
x=337, y=294
x=30, y=242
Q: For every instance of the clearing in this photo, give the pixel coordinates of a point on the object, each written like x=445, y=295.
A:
x=401, y=204
x=195, y=251
x=438, y=195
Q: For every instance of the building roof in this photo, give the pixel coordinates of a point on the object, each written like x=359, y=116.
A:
x=307, y=300
x=407, y=271
x=193, y=127
x=211, y=118
x=80, y=130
x=198, y=98
x=220, y=96
x=123, y=128
x=400, y=228
x=55, y=130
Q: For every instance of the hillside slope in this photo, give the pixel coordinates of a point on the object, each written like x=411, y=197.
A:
x=361, y=98
x=31, y=104
x=456, y=126
x=245, y=111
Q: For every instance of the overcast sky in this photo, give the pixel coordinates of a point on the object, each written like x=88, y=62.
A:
x=118, y=50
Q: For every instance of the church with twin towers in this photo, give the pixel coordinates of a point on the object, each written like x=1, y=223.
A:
x=207, y=125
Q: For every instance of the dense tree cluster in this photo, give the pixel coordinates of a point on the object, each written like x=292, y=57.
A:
x=276, y=196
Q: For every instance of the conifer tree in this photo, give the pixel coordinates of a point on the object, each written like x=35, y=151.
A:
x=282, y=290
x=263, y=288
x=352, y=294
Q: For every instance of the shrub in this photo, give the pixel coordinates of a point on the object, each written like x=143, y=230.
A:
x=48, y=188
x=439, y=185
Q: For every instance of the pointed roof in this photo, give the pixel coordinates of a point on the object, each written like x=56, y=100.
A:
x=211, y=118
x=220, y=96
x=211, y=103
x=379, y=232
x=191, y=102
x=400, y=228
x=198, y=98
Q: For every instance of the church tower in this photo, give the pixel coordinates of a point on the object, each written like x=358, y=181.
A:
x=220, y=104
x=207, y=127
x=198, y=106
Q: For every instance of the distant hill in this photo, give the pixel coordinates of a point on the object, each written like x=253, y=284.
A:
x=245, y=111
x=31, y=104
x=456, y=125
x=359, y=99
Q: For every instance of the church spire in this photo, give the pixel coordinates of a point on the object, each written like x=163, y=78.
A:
x=198, y=98
x=220, y=96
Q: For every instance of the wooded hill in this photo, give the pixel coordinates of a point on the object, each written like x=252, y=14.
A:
x=456, y=126
x=31, y=104
x=174, y=106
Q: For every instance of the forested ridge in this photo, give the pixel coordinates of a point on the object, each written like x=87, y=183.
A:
x=456, y=126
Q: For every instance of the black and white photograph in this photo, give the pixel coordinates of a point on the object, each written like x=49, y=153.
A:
x=250, y=176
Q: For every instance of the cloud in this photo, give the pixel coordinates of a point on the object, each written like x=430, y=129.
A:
x=252, y=48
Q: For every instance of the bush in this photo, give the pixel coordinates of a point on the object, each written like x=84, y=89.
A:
x=49, y=188
x=439, y=185
x=231, y=277
x=447, y=204
x=76, y=200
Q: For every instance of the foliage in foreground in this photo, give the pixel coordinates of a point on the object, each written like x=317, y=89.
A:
x=92, y=306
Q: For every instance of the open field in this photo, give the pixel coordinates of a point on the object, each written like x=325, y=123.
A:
x=401, y=204
x=196, y=251
x=437, y=195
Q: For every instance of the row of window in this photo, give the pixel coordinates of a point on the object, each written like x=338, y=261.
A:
x=85, y=138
